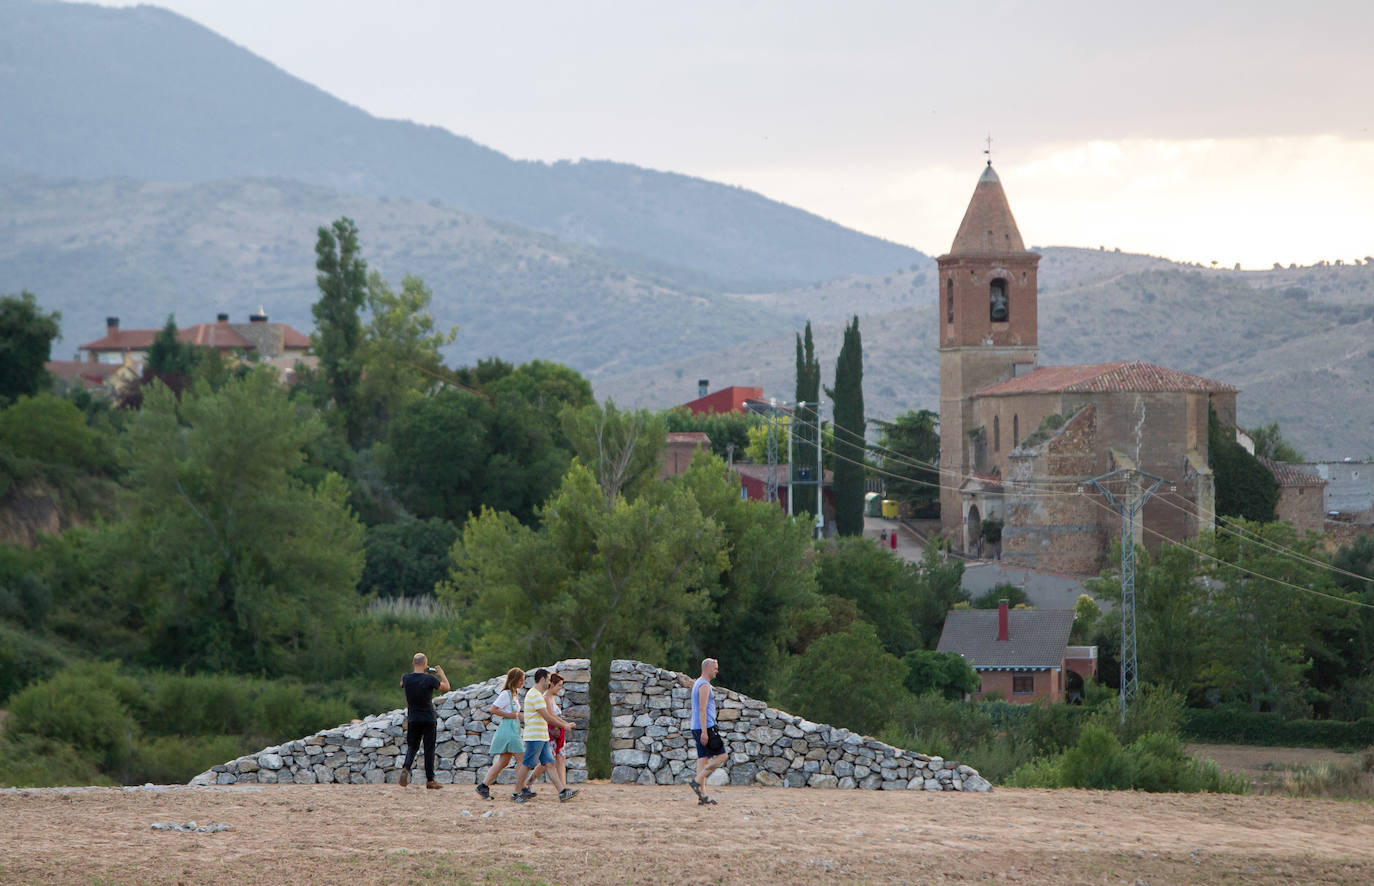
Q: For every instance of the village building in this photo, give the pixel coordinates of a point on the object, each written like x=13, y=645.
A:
x=266, y=341
x=735, y=398
x=1021, y=442
x=1300, y=496
x=1023, y=655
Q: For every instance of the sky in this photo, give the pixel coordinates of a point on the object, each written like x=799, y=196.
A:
x=1228, y=132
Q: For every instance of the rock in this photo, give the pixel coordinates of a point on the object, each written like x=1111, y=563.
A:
x=624, y=775
x=824, y=781
x=764, y=777
x=270, y=761
x=976, y=783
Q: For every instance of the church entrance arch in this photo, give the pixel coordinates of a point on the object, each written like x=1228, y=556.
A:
x=973, y=535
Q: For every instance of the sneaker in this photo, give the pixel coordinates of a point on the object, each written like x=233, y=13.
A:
x=433, y=785
x=527, y=793
x=483, y=791
x=519, y=798
x=696, y=789
x=405, y=777
x=566, y=794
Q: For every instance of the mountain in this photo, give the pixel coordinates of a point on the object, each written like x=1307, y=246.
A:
x=92, y=92
x=1298, y=342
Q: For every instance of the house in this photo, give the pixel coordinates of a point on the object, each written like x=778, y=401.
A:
x=1301, y=496
x=681, y=448
x=1349, y=490
x=735, y=398
x=267, y=341
x=1022, y=654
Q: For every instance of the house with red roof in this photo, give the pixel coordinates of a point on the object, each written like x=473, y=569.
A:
x=267, y=341
x=1021, y=442
x=735, y=398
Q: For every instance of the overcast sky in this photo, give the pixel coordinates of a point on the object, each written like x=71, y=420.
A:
x=1227, y=131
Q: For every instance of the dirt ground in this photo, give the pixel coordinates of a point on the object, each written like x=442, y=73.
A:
x=366, y=834
x=1253, y=760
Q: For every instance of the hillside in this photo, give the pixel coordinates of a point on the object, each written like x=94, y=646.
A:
x=1281, y=336
x=92, y=92
x=142, y=251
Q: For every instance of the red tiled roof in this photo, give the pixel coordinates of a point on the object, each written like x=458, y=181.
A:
x=988, y=227
x=1286, y=474
x=210, y=335
x=83, y=369
x=1104, y=378
x=293, y=340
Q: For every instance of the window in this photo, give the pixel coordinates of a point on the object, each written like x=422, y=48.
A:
x=949, y=300
x=998, y=309
x=1022, y=684
x=1015, y=431
x=996, y=434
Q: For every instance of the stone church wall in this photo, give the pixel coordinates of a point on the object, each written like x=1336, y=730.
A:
x=651, y=743
x=372, y=750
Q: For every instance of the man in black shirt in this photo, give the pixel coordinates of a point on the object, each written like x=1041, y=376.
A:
x=419, y=686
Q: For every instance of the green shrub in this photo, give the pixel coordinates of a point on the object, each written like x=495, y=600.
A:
x=1050, y=728
x=24, y=659
x=1232, y=726
x=1154, y=762
x=77, y=708
x=33, y=761
x=1097, y=761
x=176, y=759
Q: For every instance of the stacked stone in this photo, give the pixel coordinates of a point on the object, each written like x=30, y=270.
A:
x=651, y=743
x=372, y=750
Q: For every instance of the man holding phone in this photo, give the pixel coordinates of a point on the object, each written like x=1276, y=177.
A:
x=421, y=717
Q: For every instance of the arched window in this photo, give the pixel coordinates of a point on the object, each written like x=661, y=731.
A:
x=1015, y=430
x=949, y=300
x=998, y=309
x=996, y=434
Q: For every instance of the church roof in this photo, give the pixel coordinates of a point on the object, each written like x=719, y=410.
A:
x=988, y=227
x=1105, y=378
x=1286, y=474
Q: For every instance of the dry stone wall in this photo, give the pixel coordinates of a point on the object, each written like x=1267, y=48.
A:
x=372, y=750
x=651, y=743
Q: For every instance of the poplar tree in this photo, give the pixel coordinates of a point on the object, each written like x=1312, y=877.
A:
x=848, y=396
x=807, y=425
x=342, y=279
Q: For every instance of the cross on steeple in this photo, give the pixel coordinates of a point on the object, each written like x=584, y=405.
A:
x=988, y=149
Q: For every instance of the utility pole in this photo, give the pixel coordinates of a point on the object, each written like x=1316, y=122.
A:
x=791, y=470
x=1130, y=497
x=770, y=486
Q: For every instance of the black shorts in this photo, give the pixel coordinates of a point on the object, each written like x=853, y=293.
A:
x=713, y=746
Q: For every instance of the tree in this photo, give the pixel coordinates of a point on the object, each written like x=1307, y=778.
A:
x=850, y=428
x=26, y=335
x=1244, y=486
x=597, y=578
x=944, y=672
x=168, y=355
x=848, y=680
x=992, y=598
x=808, y=391
x=407, y=559
x=240, y=565
x=1269, y=443
x=342, y=280
x=910, y=445
x=725, y=429
x=624, y=450
x=766, y=595
x=398, y=352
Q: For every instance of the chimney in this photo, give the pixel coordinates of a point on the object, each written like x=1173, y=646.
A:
x=259, y=317
x=1003, y=621
x=703, y=387
x=221, y=318
x=112, y=326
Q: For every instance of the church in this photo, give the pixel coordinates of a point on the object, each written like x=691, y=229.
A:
x=1020, y=442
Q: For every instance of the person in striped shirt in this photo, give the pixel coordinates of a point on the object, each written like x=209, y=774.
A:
x=538, y=756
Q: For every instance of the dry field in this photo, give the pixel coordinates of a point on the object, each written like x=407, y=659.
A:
x=624, y=834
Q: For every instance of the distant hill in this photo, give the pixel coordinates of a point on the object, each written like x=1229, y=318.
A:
x=92, y=92
x=1298, y=342
x=141, y=251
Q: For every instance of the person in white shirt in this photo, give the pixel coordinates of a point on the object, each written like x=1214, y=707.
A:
x=538, y=756
x=506, y=744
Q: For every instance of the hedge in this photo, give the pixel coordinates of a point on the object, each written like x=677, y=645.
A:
x=1224, y=726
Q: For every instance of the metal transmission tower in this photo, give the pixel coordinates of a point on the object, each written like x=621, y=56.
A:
x=770, y=487
x=1132, y=489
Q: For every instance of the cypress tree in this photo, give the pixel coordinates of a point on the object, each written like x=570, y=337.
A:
x=342, y=280
x=848, y=396
x=806, y=427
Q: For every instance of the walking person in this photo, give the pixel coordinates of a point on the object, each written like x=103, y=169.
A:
x=505, y=744
x=710, y=746
x=558, y=736
x=421, y=718
x=538, y=757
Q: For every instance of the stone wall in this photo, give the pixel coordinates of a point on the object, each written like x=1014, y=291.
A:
x=651, y=743
x=372, y=750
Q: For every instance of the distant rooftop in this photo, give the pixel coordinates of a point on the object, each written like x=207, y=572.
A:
x=1104, y=378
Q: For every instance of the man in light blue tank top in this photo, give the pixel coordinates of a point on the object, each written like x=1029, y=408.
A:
x=710, y=748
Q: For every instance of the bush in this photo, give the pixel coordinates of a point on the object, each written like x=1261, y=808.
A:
x=847, y=679
x=33, y=761
x=1226, y=725
x=176, y=759
x=1155, y=762
x=78, y=708
x=24, y=658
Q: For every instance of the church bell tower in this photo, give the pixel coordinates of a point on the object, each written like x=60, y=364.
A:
x=987, y=317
